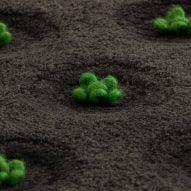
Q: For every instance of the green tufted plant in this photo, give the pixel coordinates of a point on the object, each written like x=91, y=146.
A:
x=5, y=35
x=175, y=22
x=11, y=172
x=94, y=91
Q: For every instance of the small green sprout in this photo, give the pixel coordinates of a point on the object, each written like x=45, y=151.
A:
x=11, y=172
x=174, y=22
x=5, y=35
x=94, y=91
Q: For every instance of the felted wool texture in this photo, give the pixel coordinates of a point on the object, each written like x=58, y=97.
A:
x=141, y=144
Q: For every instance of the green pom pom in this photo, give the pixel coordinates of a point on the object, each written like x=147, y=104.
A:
x=11, y=173
x=16, y=165
x=4, y=167
x=182, y=19
x=161, y=24
x=96, y=85
x=87, y=78
x=5, y=35
x=5, y=38
x=3, y=27
x=97, y=96
x=95, y=92
x=114, y=97
x=80, y=95
x=175, y=22
x=178, y=27
x=3, y=177
x=15, y=177
x=174, y=12
x=111, y=82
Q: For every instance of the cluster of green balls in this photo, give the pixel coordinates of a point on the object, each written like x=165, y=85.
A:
x=94, y=91
x=175, y=22
x=11, y=172
x=5, y=35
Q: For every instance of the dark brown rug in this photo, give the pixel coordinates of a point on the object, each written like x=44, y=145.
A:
x=143, y=144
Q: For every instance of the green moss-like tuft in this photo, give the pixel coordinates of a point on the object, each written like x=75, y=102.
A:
x=5, y=35
x=115, y=96
x=15, y=177
x=96, y=85
x=97, y=96
x=93, y=91
x=175, y=11
x=175, y=22
x=161, y=24
x=16, y=165
x=3, y=27
x=4, y=167
x=80, y=95
x=177, y=27
x=3, y=177
x=11, y=172
x=111, y=82
x=87, y=78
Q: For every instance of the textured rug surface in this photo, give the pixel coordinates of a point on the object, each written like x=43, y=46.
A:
x=143, y=144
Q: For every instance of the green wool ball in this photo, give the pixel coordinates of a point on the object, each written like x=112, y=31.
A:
x=114, y=97
x=96, y=91
x=161, y=24
x=174, y=12
x=97, y=96
x=111, y=82
x=178, y=27
x=15, y=177
x=175, y=22
x=5, y=38
x=80, y=95
x=96, y=85
x=3, y=27
x=182, y=19
x=16, y=165
x=3, y=177
x=87, y=78
x=4, y=167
